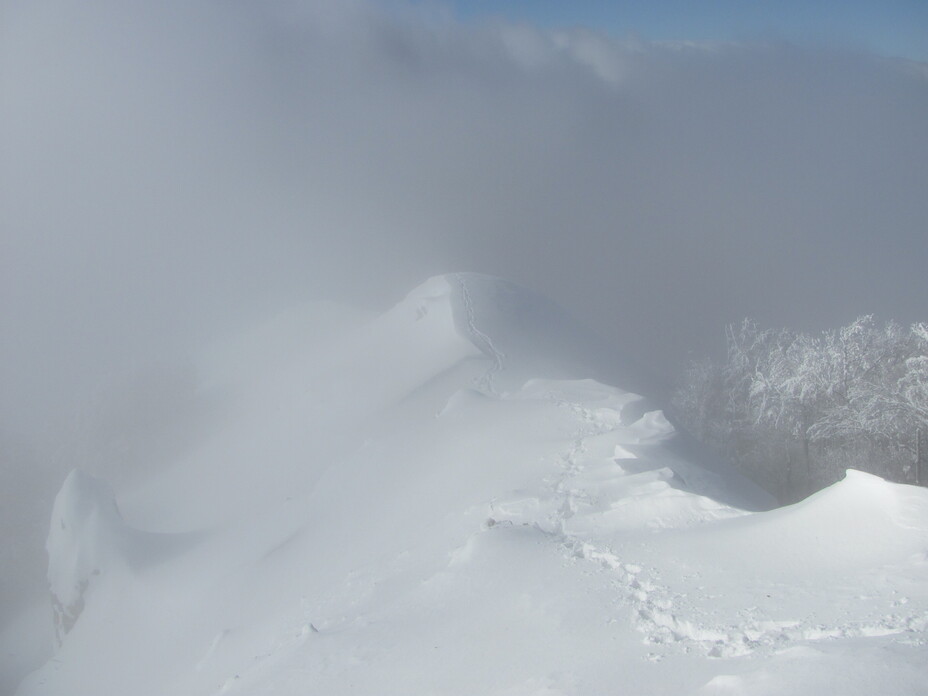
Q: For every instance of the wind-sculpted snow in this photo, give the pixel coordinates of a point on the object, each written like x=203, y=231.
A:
x=86, y=535
x=595, y=495
x=449, y=498
x=89, y=543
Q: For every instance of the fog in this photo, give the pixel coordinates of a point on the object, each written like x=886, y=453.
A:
x=170, y=172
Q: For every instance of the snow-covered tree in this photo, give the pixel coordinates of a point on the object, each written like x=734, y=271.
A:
x=795, y=409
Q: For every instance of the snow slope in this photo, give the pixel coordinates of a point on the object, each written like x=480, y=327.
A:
x=449, y=498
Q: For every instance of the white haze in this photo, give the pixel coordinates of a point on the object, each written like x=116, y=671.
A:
x=171, y=170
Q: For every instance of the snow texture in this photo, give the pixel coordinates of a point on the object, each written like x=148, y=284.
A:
x=450, y=498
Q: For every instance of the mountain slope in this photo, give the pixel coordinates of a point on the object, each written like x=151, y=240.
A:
x=441, y=499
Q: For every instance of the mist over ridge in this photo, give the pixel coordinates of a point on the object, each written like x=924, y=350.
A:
x=172, y=172
x=169, y=168
x=216, y=224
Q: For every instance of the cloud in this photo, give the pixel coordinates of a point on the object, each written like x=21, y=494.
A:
x=171, y=169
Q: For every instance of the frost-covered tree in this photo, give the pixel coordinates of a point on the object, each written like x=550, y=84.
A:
x=794, y=410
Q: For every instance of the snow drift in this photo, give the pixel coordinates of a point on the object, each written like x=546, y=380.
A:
x=450, y=498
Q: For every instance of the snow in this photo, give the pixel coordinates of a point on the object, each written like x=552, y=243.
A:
x=86, y=536
x=451, y=498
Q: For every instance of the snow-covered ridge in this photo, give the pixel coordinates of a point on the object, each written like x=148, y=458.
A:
x=451, y=498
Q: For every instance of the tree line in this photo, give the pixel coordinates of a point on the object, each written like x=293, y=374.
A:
x=793, y=410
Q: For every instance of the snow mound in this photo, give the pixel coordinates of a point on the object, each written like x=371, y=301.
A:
x=848, y=531
x=862, y=516
x=874, y=501
x=862, y=519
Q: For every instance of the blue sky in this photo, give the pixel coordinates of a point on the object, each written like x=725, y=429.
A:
x=888, y=27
